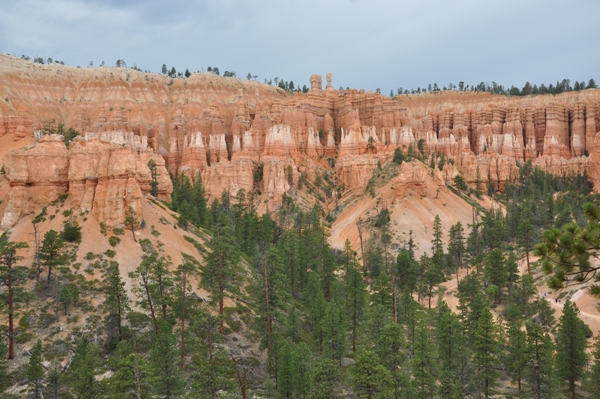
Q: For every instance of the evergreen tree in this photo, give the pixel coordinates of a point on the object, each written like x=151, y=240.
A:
x=423, y=363
x=219, y=275
x=12, y=276
x=594, y=374
x=116, y=303
x=3, y=358
x=130, y=378
x=82, y=372
x=154, y=176
x=356, y=292
x=571, y=357
x=390, y=347
x=35, y=370
x=450, y=344
x=167, y=378
x=51, y=251
x=540, y=362
x=293, y=367
x=525, y=236
x=517, y=354
x=323, y=378
x=184, y=273
x=369, y=378
x=495, y=273
x=334, y=331
x=486, y=348
x=437, y=245
x=456, y=245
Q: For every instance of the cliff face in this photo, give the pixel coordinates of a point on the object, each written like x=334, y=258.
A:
x=103, y=177
x=225, y=130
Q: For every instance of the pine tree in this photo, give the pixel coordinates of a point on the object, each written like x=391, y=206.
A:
x=525, y=236
x=540, y=362
x=3, y=358
x=495, y=273
x=116, y=303
x=184, y=273
x=437, y=245
x=486, y=351
x=356, y=292
x=11, y=276
x=571, y=357
x=369, y=378
x=35, y=370
x=456, y=245
x=323, y=378
x=390, y=347
x=517, y=354
x=167, y=378
x=423, y=363
x=450, y=344
x=334, y=331
x=82, y=372
x=292, y=369
x=219, y=275
x=130, y=378
x=51, y=251
x=594, y=374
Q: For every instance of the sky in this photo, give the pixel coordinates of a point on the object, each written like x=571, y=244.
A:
x=372, y=44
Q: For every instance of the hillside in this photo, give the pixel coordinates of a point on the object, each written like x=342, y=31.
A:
x=218, y=237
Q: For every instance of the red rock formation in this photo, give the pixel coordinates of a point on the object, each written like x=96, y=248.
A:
x=101, y=176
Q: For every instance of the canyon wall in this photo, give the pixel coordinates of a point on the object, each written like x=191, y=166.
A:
x=243, y=135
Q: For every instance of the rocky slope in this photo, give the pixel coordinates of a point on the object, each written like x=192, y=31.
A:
x=226, y=129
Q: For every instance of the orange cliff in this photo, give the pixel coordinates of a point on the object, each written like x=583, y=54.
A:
x=103, y=175
x=225, y=129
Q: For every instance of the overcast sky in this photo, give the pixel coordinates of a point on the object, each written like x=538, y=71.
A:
x=371, y=44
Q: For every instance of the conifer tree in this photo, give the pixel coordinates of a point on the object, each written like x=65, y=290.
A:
x=356, y=292
x=369, y=378
x=3, y=358
x=293, y=367
x=51, y=251
x=130, y=378
x=456, y=245
x=35, y=370
x=390, y=347
x=184, y=273
x=486, y=348
x=219, y=275
x=323, y=378
x=571, y=357
x=167, y=378
x=540, y=362
x=423, y=363
x=517, y=354
x=334, y=331
x=450, y=344
x=594, y=374
x=116, y=303
x=82, y=372
x=11, y=276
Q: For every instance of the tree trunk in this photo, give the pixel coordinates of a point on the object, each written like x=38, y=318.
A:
x=11, y=322
x=184, y=277
x=151, y=307
x=527, y=256
x=221, y=290
x=267, y=312
x=362, y=250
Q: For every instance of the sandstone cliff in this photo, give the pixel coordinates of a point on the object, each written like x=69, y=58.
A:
x=226, y=129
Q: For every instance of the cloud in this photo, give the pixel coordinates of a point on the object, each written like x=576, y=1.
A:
x=380, y=43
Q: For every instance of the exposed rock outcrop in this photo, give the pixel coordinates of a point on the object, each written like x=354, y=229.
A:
x=105, y=176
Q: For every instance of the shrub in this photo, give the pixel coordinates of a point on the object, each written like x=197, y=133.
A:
x=110, y=253
x=71, y=232
x=114, y=241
